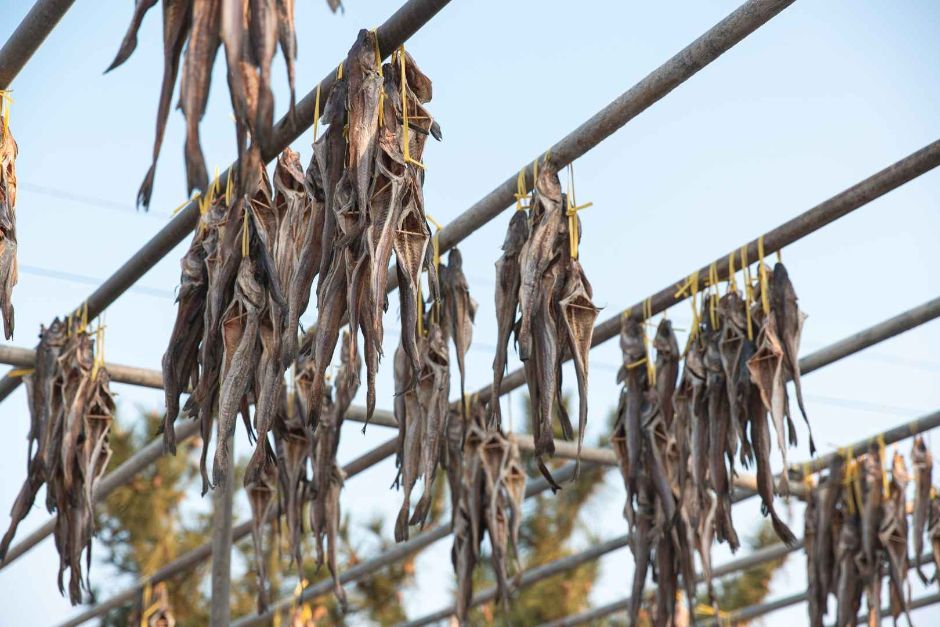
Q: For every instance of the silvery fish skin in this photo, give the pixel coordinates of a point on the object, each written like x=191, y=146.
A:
x=634, y=376
x=507, y=301
x=459, y=310
x=933, y=532
x=766, y=370
x=181, y=357
x=177, y=21
x=849, y=587
x=667, y=369
x=201, y=50
x=922, y=461
x=814, y=593
x=825, y=554
x=760, y=441
x=8, y=245
x=579, y=315
x=893, y=535
x=261, y=478
x=789, y=319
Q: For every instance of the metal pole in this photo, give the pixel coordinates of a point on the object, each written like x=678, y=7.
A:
x=222, y=497
x=28, y=36
x=802, y=225
x=808, y=364
x=530, y=577
x=404, y=23
x=392, y=555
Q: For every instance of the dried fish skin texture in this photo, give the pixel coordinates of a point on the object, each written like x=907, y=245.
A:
x=8, y=246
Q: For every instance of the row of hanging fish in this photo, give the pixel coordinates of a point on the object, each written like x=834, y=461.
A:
x=8, y=265
x=227, y=342
x=71, y=410
x=422, y=406
x=544, y=298
x=857, y=533
x=677, y=437
x=300, y=473
x=250, y=32
x=487, y=484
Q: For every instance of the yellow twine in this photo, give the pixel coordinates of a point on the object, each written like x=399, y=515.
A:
x=404, y=109
x=762, y=271
x=20, y=372
x=420, y=302
x=707, y=610
x=880, y=440
x=229, y=188
x=245, y=231
x=572, y=213
x=521, y=193
x=6, y=102
x=316, y=114
x=650, y=366
x=732, y=284
x=186, y=202
x=339, y=71
x=713, y=301
x=99, y=348
x=748, y=292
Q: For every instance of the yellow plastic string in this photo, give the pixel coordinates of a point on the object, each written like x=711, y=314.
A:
x=572, y=213
x=245, y=231
x=707, y=610
x=713, y=300
x=650, y=365
x=6, y=102
x=99, y=348
x=404, y=111
x=316, y=114
x=20, y=372
x=808, y=480
x=420, y=302
x=521, y=191
x=732, y=283
x=186, y=202
x=229, y=188
x=880, y=440
x=762, y=273
x=339, y=71
x=748, y=292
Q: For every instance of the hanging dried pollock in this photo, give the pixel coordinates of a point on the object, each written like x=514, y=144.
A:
x=922, y=462
x=237, y=311
x=8, y=267
x=71, y=412
x=421, y=409
x=651, y=459
x=857, y=534
x=489, y=481
x=677, y=441
x=368, y=163
x=539, y=273
x=250, y=32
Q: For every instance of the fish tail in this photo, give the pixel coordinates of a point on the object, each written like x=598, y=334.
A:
x=401, y=524
x=196, y=175
x=782, y=530
x=146, y=188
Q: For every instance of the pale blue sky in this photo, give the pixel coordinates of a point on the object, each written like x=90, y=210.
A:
x=824, y=95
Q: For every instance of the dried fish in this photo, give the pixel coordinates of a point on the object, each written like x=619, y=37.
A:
x=250, y=31
x=460, y=310
x=893, y=533
x=815, y=594
x=71, y=411
x=492, y=488
x=507, y=301
x=849, y=586
x=933, y=531
x=8, y=245
x=922, y=461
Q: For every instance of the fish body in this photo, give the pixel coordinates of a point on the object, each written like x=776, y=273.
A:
x=922, y=461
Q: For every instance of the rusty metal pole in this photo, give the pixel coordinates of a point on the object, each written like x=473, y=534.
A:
x=28, y=36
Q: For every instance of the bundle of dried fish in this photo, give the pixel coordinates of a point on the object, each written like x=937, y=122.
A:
x=421, y=410
x=922, y=461
x=250, y=33
x=933, y=531
x=857, y=534
x=540, y=275
x=238, y=307
x=71, y=412
x=372, y=179
x=8, y=267
x=659, y=509
x=490, y=493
